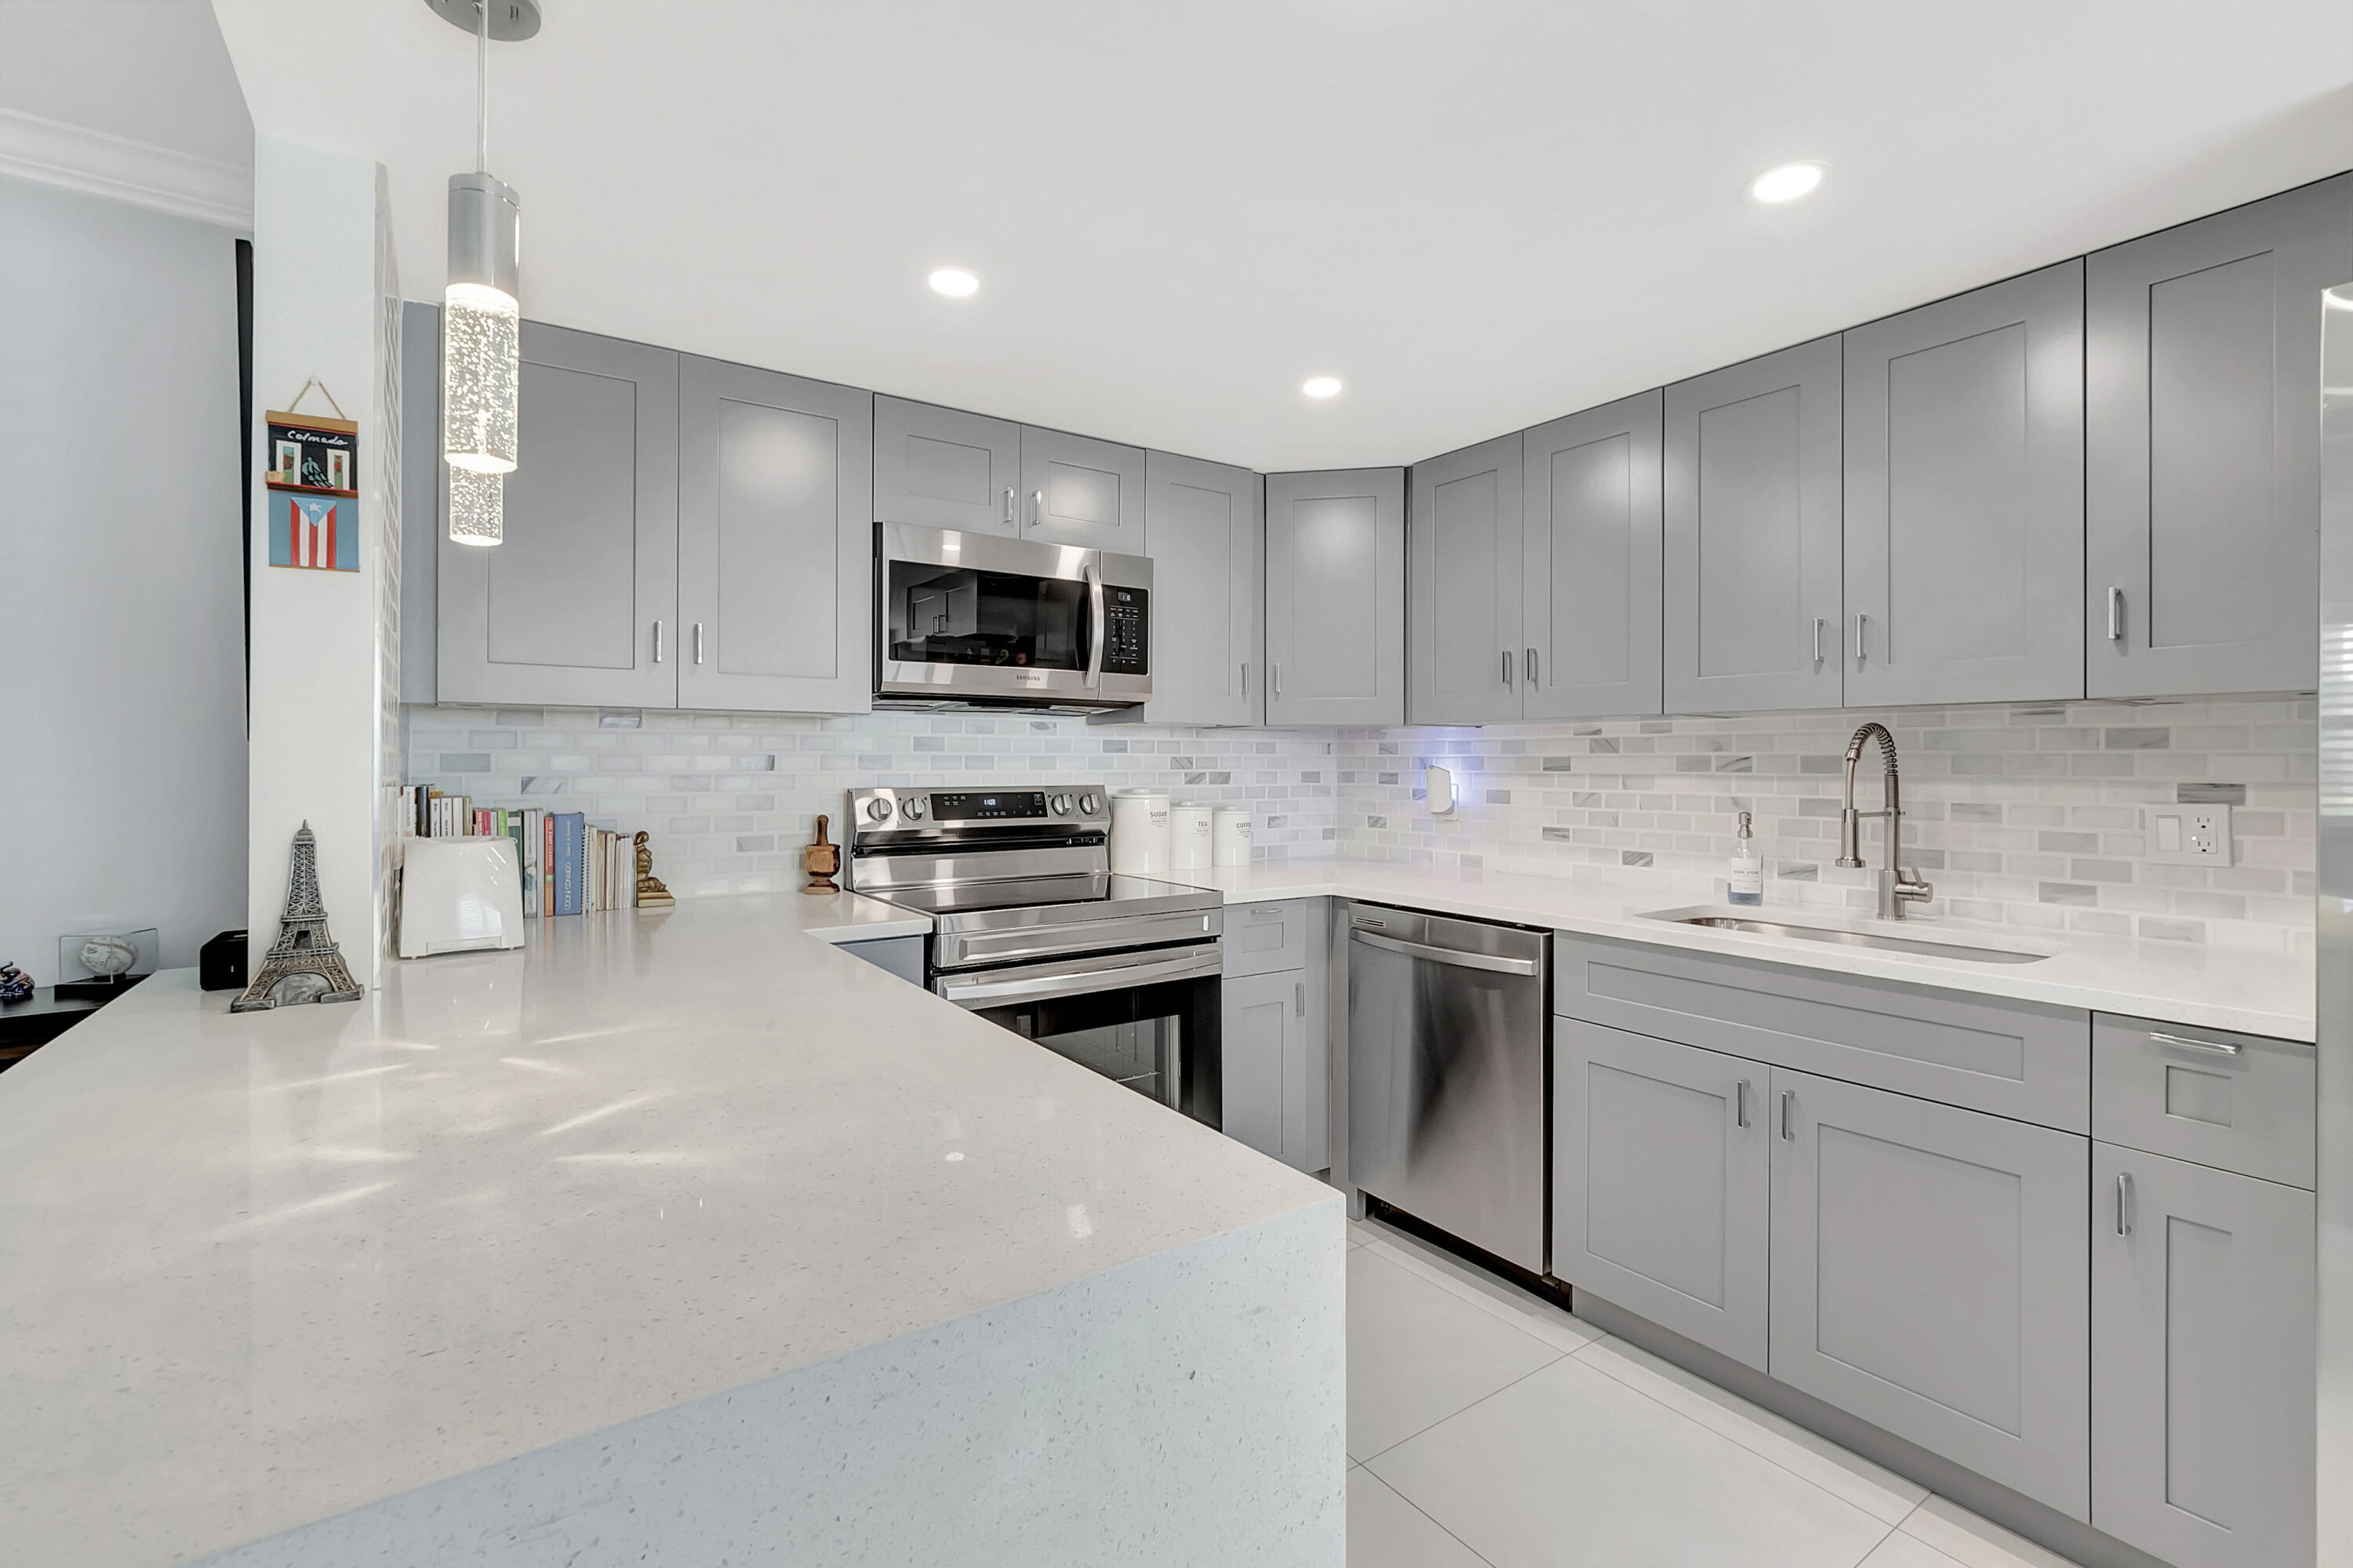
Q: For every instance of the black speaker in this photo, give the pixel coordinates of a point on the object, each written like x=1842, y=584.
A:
x=221, y=963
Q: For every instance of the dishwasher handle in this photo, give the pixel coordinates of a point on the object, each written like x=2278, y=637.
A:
x=1453, y=956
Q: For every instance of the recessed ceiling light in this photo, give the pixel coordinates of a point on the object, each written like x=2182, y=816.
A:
x=1321, y=387
x=954, y=282
x=1786, y=182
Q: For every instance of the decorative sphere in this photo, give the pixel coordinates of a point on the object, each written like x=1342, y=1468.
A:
x=108, y=955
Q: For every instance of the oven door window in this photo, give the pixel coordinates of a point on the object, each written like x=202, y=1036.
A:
x=956, y=614
x=1159, y=1040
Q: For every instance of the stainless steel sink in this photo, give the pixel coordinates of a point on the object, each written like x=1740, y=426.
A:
x=1846, y=938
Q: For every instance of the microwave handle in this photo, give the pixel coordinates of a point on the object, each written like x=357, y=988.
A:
x=1093, y=576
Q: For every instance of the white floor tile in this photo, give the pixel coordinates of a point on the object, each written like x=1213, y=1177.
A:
x=1387, y=1532
x=1571, y=1466
x=1976, y=1543
x=1484, y=1291
x=1418, y=1353
x=1883, y=1494
x=1902, y=1550
x=1360, y=1232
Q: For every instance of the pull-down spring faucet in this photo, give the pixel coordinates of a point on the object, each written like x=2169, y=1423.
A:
x=1896, y=889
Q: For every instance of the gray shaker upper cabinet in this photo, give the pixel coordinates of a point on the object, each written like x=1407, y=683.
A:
x=944, y=467
x=1335, y=598
x=1076, y=489
x=774, y=544
x=2203, y=484
x=420, y=490
x=1463, y=577
x=1753, y=573
x=1591, y=562
x=578, y=605
x=1965, y=497
x=1207, y=530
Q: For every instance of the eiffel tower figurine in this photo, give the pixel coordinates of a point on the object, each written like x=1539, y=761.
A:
x=303, y=964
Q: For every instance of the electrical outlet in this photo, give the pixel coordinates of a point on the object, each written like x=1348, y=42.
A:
x=2189, y=835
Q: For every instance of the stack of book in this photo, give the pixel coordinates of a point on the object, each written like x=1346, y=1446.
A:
x=568, y=866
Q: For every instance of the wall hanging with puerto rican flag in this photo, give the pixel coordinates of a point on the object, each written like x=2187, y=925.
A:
x=314, y=498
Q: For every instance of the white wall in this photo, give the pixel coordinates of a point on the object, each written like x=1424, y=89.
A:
x=122, y=751
x=322, y=277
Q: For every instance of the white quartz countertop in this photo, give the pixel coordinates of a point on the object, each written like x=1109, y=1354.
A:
x=2178, y=982
x=838, y=917
x=262, y=1268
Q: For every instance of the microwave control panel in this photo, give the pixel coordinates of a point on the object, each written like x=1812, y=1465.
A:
x=1127, y=631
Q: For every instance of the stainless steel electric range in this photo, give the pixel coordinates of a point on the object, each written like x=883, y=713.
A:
x=1033, y=930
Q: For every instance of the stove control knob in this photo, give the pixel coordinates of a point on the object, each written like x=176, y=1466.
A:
x=913, y=810
x=1059, y=805
x=879, y=809
x=1090, y=804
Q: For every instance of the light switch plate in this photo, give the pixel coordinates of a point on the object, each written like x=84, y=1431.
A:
x=2189, y=835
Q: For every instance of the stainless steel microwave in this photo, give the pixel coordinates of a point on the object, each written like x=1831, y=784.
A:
x=983, y=621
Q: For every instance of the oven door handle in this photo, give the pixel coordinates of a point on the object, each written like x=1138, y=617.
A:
x=992, y=987
x=1092, y=576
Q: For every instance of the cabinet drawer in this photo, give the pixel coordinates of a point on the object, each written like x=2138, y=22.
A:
x=2016, y=1059
x=1266, y=938
x=2237, y=1102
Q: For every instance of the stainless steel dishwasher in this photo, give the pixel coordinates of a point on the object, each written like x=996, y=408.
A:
x=1446, y=1075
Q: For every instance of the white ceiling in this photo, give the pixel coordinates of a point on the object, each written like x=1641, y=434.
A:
x=147, y=70
x=1480, y=215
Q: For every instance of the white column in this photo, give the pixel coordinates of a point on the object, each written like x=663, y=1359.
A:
x=323, y=654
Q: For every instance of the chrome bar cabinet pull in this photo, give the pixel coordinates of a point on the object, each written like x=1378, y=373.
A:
x=1787, y=1095
x=2124, y=1198
x=2219, y=1047
x=2116, y=613
x=656, y=642
x=1740, y=1103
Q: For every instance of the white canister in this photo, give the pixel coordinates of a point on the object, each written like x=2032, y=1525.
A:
x=1139, y=831
x=1231, y=837
x=1188, y=838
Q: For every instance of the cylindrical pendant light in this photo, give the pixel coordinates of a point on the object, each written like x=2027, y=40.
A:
x=477, y=506
x=481, y=326
x=481, y=310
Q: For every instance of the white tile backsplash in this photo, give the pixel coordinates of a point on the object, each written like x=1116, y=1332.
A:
x=2022, y=816
x=729, y=799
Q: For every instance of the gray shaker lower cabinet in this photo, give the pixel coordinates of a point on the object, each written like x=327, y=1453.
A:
x=1931, y=1273
x=775, y=547
x=1662, y=1183
x=1335, y=598
x=1965, y=497
x=2202, y=1366
x=1206, y=528
x=1273, y=1020
x=1753, y=551
x=578, y=604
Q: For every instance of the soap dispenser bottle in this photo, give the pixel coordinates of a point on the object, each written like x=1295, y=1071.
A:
x=1745, y=878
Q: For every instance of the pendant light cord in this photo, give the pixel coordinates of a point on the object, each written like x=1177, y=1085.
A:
x=482, y=88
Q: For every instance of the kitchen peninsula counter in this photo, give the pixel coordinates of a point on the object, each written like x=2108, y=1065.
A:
x=674, y=1234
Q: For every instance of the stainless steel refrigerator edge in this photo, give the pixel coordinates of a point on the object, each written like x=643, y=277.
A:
x=1446, y=1075
x=2335, y=926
